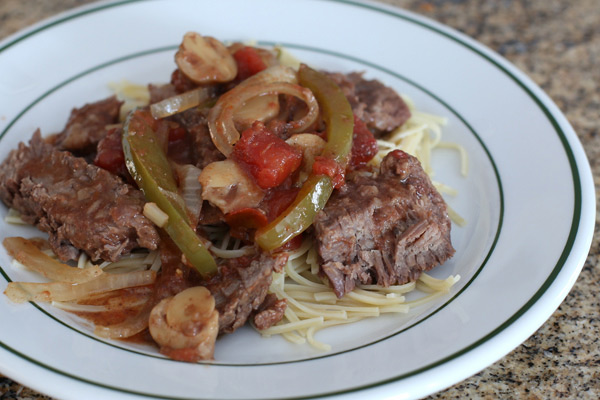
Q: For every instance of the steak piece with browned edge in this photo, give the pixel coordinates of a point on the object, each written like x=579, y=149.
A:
x=382, y=109
x=80, y=206
x=241, y=286
x=87, y=125
x=385, y=230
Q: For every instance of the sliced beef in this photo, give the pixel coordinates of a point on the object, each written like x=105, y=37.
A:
x=270, y=312
x=194, y=121
x=87, y=126
x=378, y=105
x=386, y=229
x=241, y=286
x=80, y=206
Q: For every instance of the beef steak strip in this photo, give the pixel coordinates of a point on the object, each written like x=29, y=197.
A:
x=384, y=230
x=195, y=122
x=80, y=206
x=241, y=287
x=87, y=126
x=382, y=109
x=270, y=312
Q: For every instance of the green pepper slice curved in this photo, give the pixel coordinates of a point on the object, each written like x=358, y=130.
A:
x=339, y=120
x=148, y=165
x=335, y=111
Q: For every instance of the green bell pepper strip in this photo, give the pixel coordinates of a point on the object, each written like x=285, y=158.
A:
x=148, y=165
x=339, y=119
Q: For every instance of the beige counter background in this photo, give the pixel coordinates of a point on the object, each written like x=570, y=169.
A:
x=556, y=43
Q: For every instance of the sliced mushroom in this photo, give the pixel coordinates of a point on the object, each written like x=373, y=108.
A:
x=311, y=146
x=226, y=186
x=204, y=59
x=186, y=325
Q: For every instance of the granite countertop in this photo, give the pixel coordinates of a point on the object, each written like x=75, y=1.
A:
x=556, y=43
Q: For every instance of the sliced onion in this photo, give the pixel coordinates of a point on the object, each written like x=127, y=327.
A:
x=120, y=304
x=261, y=109
x=191, y=189
x=180, y=103
x=276, y=73
x=29, y=254
x=20, y=292
x=131, y=326
x=220, y=119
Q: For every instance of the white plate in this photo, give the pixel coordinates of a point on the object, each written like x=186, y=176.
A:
x=529, y=201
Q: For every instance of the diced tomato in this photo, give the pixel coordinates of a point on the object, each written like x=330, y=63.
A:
x=248, y=62
x=364, y=145
x=110, y=154
x=268, y=158
x=278, y=200
x=329, y=167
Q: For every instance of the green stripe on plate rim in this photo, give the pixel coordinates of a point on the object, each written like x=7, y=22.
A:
x=575, y=174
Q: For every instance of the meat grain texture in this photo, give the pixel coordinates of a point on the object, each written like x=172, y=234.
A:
x=80, y=206
x=386, y=230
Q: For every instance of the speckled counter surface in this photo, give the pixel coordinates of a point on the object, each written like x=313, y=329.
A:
x=556, y=43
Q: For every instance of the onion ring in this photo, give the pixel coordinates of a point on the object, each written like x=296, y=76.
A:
x=223, y=132
x=180, y=102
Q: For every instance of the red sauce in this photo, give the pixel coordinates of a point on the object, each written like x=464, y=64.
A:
x=278, y=200
x=110, y=154
x=364, y=144
x=181, y=146
x=116, y=302
x=291, y=245
x=244, y=222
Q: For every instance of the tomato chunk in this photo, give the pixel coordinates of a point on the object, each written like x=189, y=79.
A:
x=278, y=200
x=364, y=144
x=110, y=154
x=268, y=158
x=329, y=167
x=248, y=62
